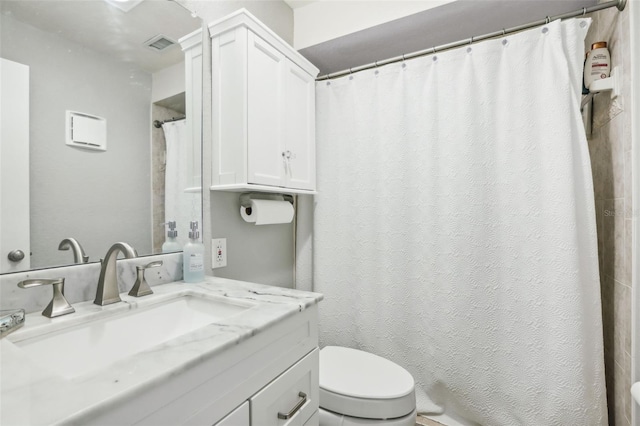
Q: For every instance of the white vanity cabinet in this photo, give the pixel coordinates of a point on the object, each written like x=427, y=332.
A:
x=249, y=383
x=263, y=109
x=292, y=398
x=238, y=417
x=234, y=354
x=289, y=400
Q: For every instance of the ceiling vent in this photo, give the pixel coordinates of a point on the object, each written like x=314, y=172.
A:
x=159, y=43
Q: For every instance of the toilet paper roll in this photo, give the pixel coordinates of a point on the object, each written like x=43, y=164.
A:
x=268, y=212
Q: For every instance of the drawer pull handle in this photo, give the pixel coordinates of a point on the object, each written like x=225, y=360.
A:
x=294, y=410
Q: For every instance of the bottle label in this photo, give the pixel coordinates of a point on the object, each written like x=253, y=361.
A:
x=196, y=263
x=599, y=65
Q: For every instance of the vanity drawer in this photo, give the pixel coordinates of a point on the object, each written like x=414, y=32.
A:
x=238, y=417
x=291, y=398
x=314, y=420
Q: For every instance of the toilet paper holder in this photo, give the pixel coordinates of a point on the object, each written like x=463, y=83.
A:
x=246, y=197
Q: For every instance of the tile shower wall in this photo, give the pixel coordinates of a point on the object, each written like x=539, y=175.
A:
x=610, y=148
x=158, y=167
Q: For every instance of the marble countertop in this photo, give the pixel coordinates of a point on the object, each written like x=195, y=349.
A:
x=31, y=394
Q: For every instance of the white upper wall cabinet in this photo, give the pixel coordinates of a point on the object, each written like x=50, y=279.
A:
x=192, y=47
x=263, y=110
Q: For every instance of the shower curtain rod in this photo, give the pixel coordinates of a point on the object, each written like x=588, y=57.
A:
x=620, y=4
x=157, y=123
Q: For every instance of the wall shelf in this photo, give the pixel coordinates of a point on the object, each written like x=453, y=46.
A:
x=610, y=84
x=603, y=85
x=261, y=188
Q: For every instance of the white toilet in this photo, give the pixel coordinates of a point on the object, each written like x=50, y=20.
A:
x=359, y=388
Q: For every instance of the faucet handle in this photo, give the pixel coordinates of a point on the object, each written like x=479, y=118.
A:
x=141, y=287
x=58, y=305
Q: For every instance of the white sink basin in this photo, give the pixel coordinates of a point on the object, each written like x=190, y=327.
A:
x=95, y=344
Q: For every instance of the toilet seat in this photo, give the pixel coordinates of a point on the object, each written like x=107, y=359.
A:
x=361, y=384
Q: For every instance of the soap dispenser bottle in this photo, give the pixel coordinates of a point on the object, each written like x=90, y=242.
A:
x=193, y=257
x=171, y=244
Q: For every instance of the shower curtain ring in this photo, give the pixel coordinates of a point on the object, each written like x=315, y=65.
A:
x=584, y=11
x=471, y=40
x=504, y=32
x=548, y=19
x=433, y=49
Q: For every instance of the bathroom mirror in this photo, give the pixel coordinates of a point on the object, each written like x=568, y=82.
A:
x=117, y=65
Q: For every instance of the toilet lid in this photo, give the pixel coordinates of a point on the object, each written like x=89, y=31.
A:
x=361, y=384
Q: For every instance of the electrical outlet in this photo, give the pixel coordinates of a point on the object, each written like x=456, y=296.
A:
x=218, y=253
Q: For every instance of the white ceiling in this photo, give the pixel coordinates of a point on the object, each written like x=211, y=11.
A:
x=294, y=4
x=452, y=22
x=101, y=26
x=107, y=29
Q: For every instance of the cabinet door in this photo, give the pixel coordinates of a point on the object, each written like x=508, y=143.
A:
x=300, y=130
x=14, y=164
x=264, y=113
x=193, y=95
x=292, y=398
x=238, y=417
x=228, y=108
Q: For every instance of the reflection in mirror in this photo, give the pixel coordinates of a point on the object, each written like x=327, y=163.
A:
x=96, y=170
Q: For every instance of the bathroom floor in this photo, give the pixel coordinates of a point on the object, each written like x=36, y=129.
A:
x=423, y=421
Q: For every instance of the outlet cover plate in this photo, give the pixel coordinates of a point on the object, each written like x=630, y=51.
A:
x=218, y=253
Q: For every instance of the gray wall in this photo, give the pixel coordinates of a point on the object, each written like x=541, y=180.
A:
x=262, y=254
x=96, y=197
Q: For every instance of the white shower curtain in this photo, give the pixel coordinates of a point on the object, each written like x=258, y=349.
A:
x=454, y=229
x=180, y=174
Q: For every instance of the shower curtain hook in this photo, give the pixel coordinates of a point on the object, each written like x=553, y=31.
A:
x=434, y=49
x=471, y=40
x=548, y=19
x=584, y=11
x=504, y=32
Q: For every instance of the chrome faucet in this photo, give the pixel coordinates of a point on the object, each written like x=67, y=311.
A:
x=107, y=283
x=79, y=255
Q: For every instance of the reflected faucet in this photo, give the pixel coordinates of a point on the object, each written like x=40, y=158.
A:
x=79, y=255
x=108, y=292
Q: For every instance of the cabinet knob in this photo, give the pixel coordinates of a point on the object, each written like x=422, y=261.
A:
x=18, y=255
